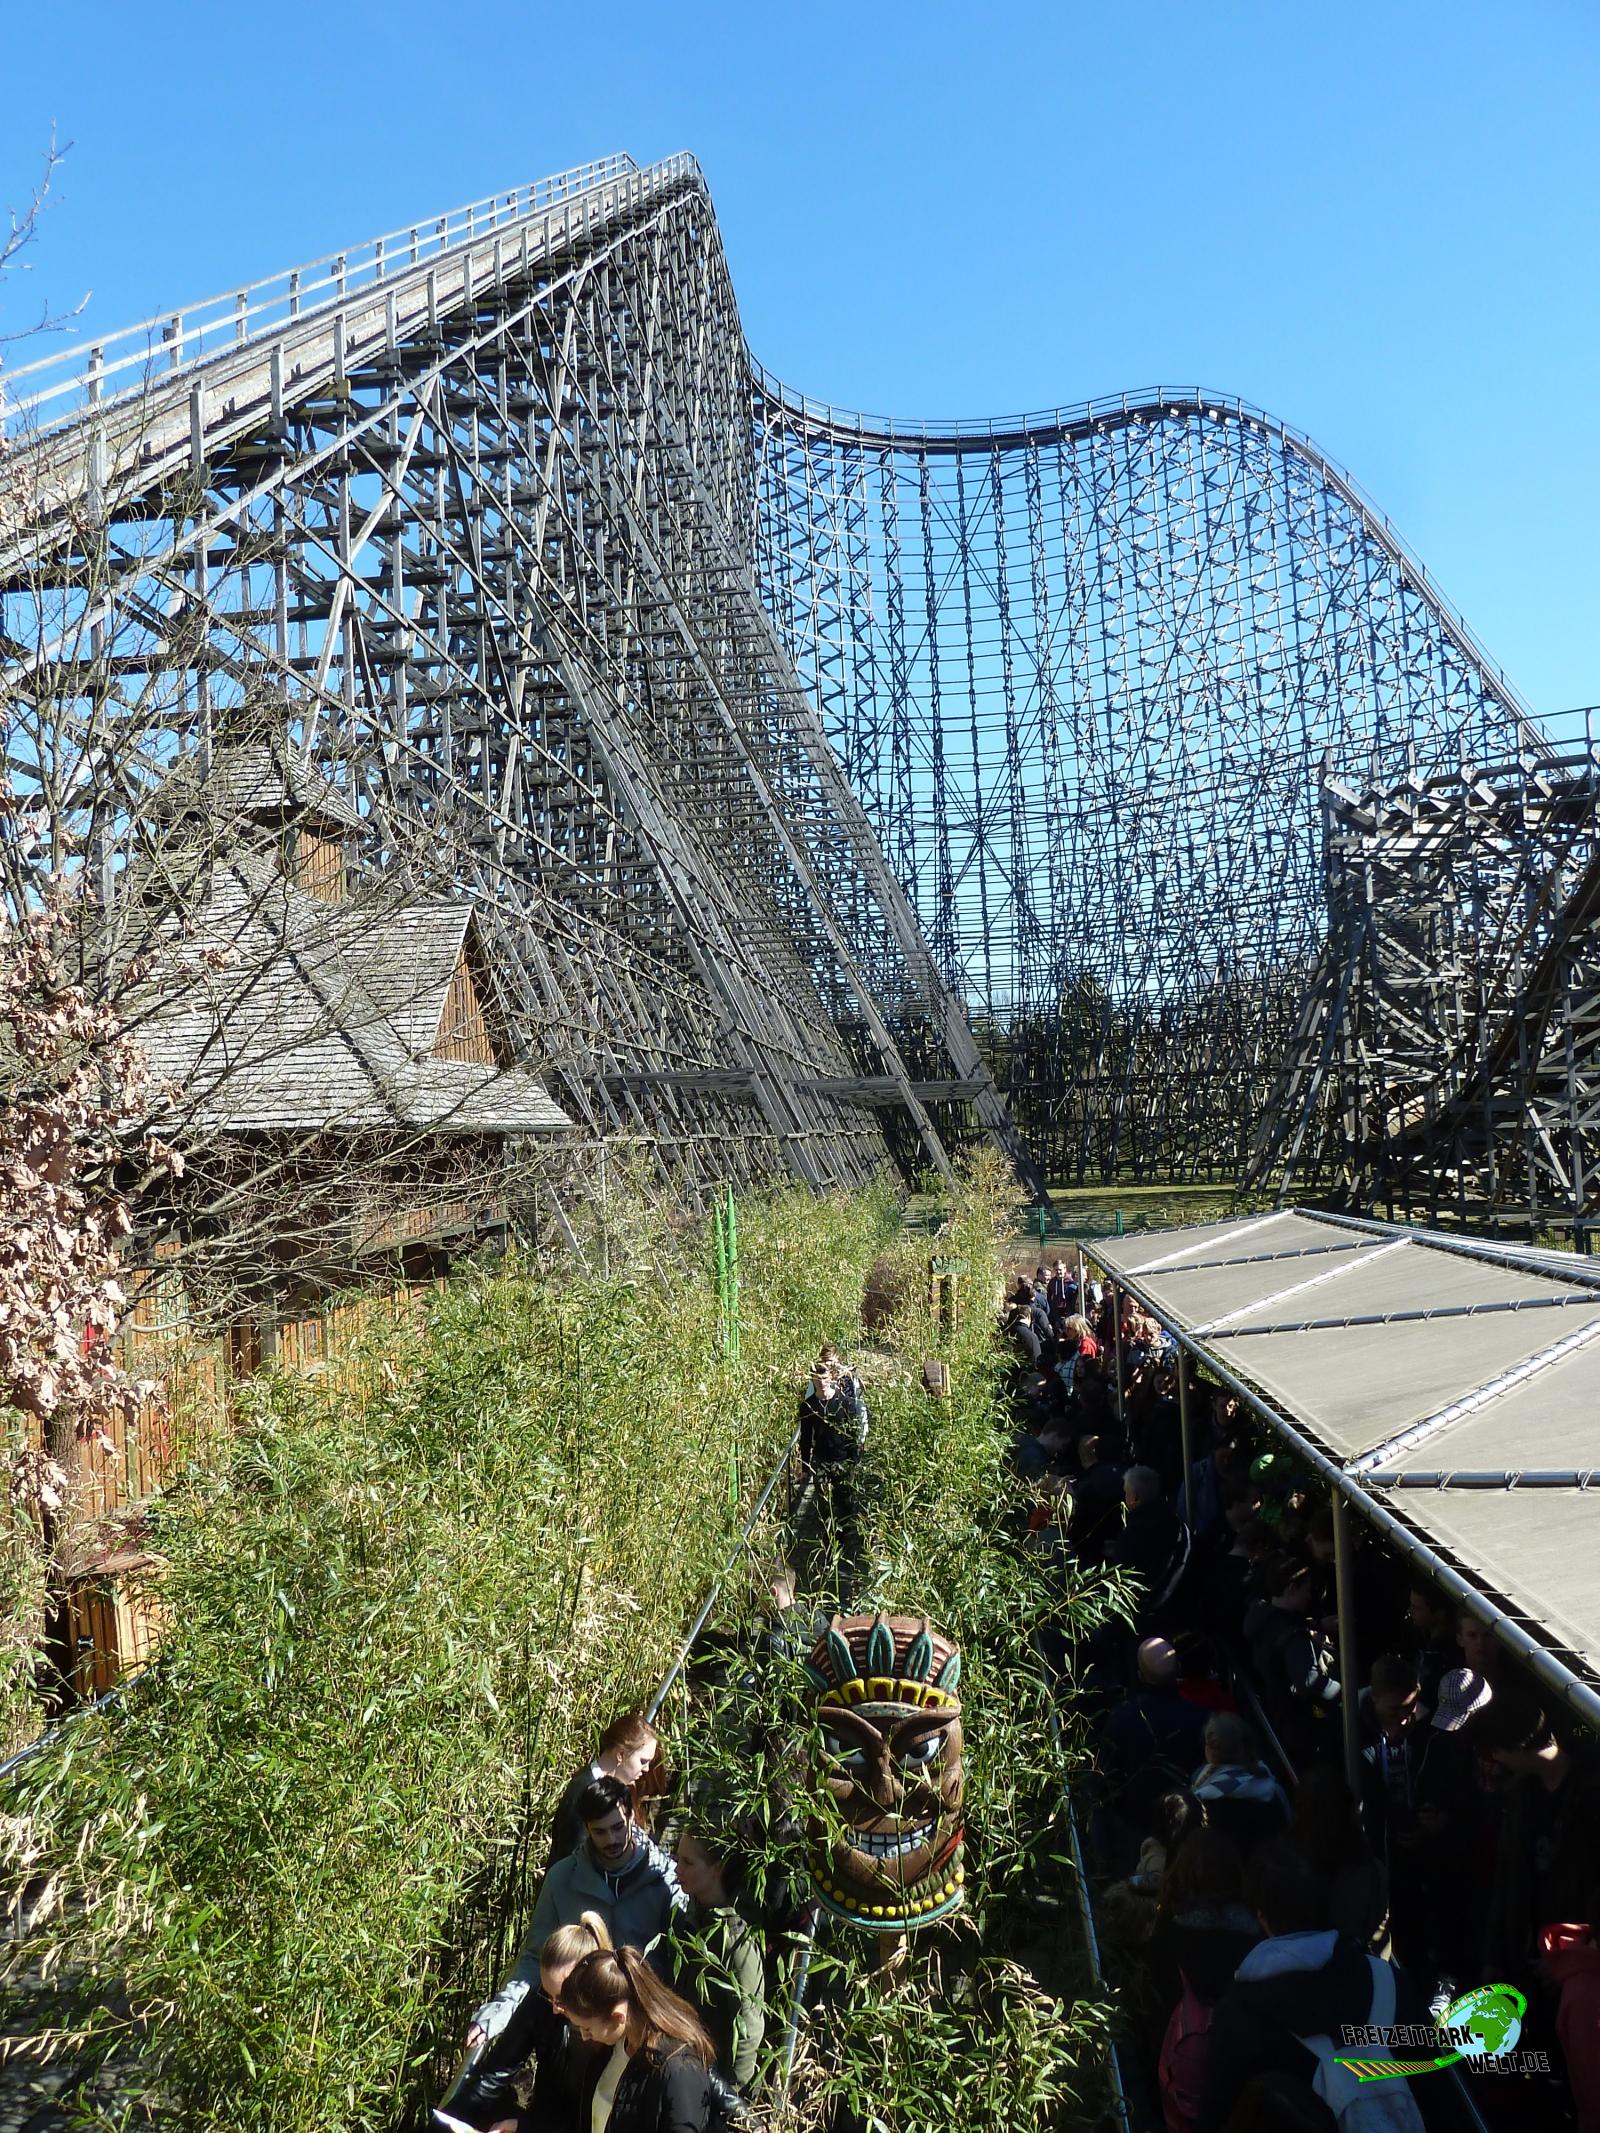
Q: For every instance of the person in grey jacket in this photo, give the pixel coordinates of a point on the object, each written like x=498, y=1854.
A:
x=616, y=1871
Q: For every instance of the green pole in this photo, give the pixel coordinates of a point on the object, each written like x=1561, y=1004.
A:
x=1041, y=1228
x=733, y=1280
x=1119, y=1221
x=720, y=1257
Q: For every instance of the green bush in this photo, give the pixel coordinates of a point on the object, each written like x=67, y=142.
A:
x=23, y=1600
x=284, y=1871
x=963, y=2037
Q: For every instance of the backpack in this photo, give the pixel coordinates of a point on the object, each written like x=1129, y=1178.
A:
x=1183, y=2060
x=1366, y=2106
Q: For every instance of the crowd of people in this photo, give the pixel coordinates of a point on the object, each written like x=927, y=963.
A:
x=638, y=2002
x=1260, y=1907
x=1258, y=1904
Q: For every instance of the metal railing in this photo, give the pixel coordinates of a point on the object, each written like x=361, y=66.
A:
x=1080, y=1876
x=75, y=376
x=107, y=1699
x=471, y=2057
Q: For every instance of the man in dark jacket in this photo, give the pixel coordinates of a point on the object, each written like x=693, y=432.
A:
x=1153, y=1544
x=1303, y=1980
x=833, y=1418
x=1062, y=1290
x=1440, y=1873
x=615, y=1871
x=1039, y=1311
x=1294, y=1661
x=1152, y=1739
x=1096, y=1498
x=1394, y=1735
x=1017, y=1322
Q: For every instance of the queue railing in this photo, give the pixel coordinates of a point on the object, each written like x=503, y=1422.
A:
x=1080, y=1877
x=781, y=1475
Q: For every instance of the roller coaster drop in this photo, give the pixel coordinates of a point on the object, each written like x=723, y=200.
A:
x=830, y=787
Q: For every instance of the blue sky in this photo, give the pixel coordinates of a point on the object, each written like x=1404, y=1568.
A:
x=1377, y=220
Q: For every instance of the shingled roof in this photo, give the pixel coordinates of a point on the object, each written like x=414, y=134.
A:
x=257, y=781
x=277, y=1012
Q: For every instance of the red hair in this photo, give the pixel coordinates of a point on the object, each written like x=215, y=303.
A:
x=628, y=1731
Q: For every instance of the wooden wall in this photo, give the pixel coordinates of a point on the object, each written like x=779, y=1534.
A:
x=112, y=1613
x=464, y=1031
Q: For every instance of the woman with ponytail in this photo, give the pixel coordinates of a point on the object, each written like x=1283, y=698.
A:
x=654, y=2075
x=536, y=2072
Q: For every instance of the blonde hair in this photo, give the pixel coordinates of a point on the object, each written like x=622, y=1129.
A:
x=570, y=1944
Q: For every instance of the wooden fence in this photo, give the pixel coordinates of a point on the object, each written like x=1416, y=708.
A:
x=197, y=1378
x=111, y=1619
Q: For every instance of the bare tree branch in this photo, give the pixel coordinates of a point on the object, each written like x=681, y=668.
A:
x=21, y=232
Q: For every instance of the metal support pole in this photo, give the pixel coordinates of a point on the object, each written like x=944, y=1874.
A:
x=1344, y=1571
x=719, y=1250
x=1116, y=1343
x=1186, y=1435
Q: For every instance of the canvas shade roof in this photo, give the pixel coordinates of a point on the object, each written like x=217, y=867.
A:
x=1450, y=1388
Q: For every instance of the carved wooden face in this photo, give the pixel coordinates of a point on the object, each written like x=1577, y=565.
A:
x=889, y=1858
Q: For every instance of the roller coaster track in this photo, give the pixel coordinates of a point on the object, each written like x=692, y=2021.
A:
x=837, y=787
x=1449, y=1059
x=1051, y=428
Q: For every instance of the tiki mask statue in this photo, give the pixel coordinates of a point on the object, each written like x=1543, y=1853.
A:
x=891, y=1729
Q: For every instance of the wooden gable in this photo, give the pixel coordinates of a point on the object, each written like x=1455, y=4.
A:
x=316, y=863
x=467, y=1023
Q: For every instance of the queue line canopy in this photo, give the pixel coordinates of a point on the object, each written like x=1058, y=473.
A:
x=1450, y=1388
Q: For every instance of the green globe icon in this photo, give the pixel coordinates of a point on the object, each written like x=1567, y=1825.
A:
x=1492, y=2017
